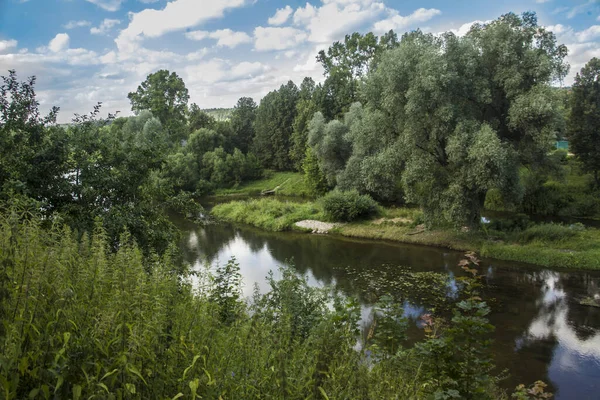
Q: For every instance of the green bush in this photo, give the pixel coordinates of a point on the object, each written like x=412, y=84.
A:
x=348, y=206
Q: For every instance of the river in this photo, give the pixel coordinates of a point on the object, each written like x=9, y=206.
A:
x=542, y=332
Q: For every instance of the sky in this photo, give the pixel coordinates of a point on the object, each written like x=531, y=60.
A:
x=88, y=51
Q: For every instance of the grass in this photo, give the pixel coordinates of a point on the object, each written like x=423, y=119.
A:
x=549, y=245
x=268, y=213
x=288, y=184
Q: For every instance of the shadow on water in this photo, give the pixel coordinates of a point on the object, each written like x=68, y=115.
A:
x=542, y=332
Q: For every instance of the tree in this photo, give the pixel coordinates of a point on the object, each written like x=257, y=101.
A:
x=198, y=119
x=33, y=151
x=274, y=120
x=345, y=64
x=305, y=110
x=165, y=95
x=452, y=117
x=242, y=123
x=584, y=126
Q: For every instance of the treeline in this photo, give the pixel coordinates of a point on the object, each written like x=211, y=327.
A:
x=450, y=124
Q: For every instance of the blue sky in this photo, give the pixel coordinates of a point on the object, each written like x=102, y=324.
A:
x=85, y=51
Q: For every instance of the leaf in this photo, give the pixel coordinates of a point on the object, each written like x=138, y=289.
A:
x=33, y=394
x=323, y=393
x=109, y=374
x=178, y=395
x=190, y=367
x=103, y=386
x=134, y=371
x=130, y=388
x=76, y=392
x=59, y=383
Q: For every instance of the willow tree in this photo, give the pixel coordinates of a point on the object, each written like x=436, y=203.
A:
x=453, y=117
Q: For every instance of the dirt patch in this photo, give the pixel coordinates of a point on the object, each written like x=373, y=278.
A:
x=317, y=226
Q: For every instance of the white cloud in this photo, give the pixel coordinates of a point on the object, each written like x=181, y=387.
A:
x=281, y=16
x=108, y=5
x=590, y=33
x=59, y=43
x=336, y=18
x=197, y=35
x=398, y=22
x=542, y=1
x=76, y=24
x=271, y=38
x=105, y=27
x=224, y=37
x=229, y=38
x=7, y=44
x=177, y=15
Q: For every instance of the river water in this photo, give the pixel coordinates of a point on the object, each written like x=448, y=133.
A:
x=542, y=332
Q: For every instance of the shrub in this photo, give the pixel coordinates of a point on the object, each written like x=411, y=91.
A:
x=348, y=206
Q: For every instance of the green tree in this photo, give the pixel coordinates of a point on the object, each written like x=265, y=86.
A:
x=242, y=123
x=584, y=132
x=198, y=119
x=274, y=121
x=345, y=64
x=451, y=118
x=33, y=151
x=165, y=95
x=305, y=110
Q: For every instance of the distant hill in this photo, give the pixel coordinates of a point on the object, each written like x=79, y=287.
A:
x=220, y=114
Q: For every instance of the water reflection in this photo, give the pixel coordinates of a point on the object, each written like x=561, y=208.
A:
x=542, y=332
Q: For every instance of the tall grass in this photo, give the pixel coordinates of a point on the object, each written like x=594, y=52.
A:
x=80, y=321
x=269, y=214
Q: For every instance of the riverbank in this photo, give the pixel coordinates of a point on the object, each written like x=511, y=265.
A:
x=549, y=245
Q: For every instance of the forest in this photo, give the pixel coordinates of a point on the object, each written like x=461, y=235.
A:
x=96, y=301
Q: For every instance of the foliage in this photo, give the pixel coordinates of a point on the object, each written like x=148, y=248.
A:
x=33, y=152
x=344, y=64
x=242, y=123
x=274, y=119
x=269, y=214
x=450, y=118
x=164, y=94
x=585, y=117
x=305, y=109
x=290, y=184
x=348, y=206
x=550, y=232
x=314, y=177
x=459, y=355
x=198, y=119
x=80, y=321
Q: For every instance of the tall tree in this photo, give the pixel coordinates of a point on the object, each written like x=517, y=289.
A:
x=345, y=64
x=165, y=95
x=274, y=120
x=584, y=123
x=454, y=117
x=305, y=110
x=242, y=123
